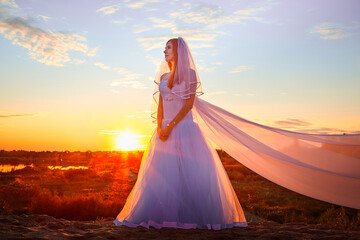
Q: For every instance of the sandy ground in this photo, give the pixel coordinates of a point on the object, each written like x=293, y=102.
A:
x=46, y=227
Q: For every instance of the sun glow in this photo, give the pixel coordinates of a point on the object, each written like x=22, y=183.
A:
x=127, y=141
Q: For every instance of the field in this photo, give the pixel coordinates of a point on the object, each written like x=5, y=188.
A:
x=98, y=190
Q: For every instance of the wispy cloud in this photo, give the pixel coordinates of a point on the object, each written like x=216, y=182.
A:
x=101, y=65
x=108, y=10
x=198, y=22
x=215, y=93
x=111, y=9
x=140, y=4
x=132, y=84
x=136, y=4
x=212, y=16
x=128, y=79
x=291, y=122
x=241, y=69
x=155, y=61
x=50, y=48
x=43, y=17
x=17, y=115
x=326, y=130
x=9, y=3
x=77, y=61
x=127, y=75
x=203, y=68
x=333, y=30
x=303, y=126
x=139, y=28
x=149, y=43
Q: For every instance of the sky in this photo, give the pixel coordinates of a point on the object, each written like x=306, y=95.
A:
x=78, y=75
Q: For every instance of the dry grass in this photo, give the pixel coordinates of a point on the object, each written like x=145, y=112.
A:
x=101, y=191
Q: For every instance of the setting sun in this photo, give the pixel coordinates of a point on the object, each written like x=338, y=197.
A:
x=127, y=141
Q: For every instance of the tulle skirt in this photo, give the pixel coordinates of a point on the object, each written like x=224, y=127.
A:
x=182, y=184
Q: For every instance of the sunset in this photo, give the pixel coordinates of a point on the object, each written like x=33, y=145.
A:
x=71, y=72
x=121, y=118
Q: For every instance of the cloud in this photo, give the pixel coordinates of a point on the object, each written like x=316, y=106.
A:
x=290, y=122
x=132, y=84
x=136, y=4
x=197, y=22
x=127, y=79
x=139, y=28
x=200, y=13
x=326, y=130
x=101, y=65
x=249, y=11
x=149, y=43
x=163, y=23
x=122, y=21
x=17, y=115
x=299, y=125
x=140, y=4
x=202, y=68
x=333, y=30
x=9, y=3
x=50, y=48
x=241, y=69
x=77, y=61
x=126, y=75
x=43, y=17
x=212, y=16
x=109, y=9
x=215, y=93
x=155, y=61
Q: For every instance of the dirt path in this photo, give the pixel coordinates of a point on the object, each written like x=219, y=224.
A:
x=46, y=227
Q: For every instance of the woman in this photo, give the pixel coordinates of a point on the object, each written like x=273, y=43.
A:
x=181, y=181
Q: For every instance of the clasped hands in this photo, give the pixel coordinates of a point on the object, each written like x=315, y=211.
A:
x=164, y=134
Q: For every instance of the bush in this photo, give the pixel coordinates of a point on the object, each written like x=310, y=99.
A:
x=75, y=207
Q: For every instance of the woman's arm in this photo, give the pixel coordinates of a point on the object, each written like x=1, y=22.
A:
x=160, y=116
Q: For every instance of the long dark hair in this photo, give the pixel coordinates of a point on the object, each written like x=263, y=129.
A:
x=174, y=42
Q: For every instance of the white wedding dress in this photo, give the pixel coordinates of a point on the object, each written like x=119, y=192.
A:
x=181, y=182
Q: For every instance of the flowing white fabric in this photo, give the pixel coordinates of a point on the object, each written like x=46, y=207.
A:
x=316, y=165
x=182, y=183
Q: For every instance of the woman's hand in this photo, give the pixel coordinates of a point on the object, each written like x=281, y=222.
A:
x=164, y=134
x=159, y=132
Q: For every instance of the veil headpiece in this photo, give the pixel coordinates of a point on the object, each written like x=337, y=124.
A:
x=186, y=78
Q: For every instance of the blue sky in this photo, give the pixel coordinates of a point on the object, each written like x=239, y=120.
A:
x=73, y=73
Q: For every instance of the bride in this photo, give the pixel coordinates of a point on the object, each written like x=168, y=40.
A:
x=181, y=181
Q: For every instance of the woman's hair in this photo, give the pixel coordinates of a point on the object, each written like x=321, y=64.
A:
x=174, y=42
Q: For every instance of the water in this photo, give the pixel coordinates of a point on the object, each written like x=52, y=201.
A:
x=8, y=168
x=67, y=168
x=4, y=168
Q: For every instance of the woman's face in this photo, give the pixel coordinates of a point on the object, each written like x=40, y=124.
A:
x=169, y=52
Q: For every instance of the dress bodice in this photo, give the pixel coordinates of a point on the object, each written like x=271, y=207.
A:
x=172, y=103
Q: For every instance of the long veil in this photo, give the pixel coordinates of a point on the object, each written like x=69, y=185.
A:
x=316, y=165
